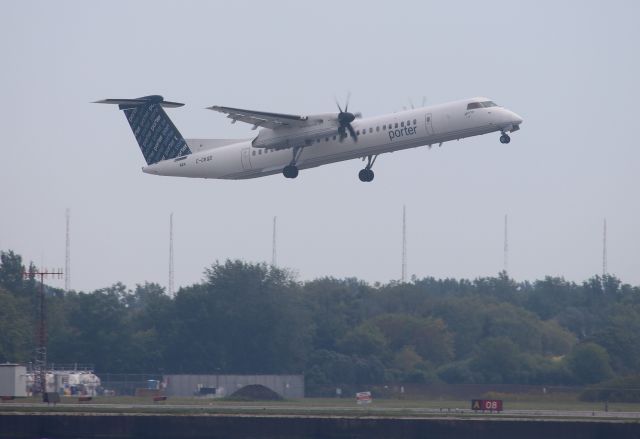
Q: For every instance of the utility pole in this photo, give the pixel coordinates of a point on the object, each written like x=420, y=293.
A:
x=40, y=364
x=404, y=244
x=274, y=256
x=170, y=287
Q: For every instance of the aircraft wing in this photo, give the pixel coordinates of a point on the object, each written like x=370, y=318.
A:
x=265, y=119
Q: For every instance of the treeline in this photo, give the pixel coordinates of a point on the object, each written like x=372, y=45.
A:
x=253, y=318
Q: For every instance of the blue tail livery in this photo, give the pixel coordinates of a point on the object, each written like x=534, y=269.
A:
x=158, y=137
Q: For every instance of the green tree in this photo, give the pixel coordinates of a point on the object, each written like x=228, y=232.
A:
x=619, y=334
x=589, y=363
x=245, y=318
x=550, y=296
x=497, y=360
x=364, y=340
x=98, y=331
x=336, y=306
x=11, y=271
x=429, y=337
x=16, y=333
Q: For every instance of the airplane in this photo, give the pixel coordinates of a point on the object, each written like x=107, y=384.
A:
x=287, y=143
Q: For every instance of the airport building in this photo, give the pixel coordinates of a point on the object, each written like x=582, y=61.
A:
x=219, y=386
x=13, y=380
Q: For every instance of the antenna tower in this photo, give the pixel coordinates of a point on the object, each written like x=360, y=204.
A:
x=404, y=244
x=40, y=364
x=170, y=288
x=604, y=248
x=506, y=244
x=274, y=256
x=67, y=257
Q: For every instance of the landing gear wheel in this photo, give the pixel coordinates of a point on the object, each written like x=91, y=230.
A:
x=366, y=175
x=290, y=171
x=505, y=138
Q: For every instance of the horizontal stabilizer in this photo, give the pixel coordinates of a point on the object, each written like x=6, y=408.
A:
x=145, y=100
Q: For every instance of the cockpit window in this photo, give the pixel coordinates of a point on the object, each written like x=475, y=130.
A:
x=485, y=104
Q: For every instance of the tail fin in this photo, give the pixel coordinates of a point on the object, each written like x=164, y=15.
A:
x=158, y=137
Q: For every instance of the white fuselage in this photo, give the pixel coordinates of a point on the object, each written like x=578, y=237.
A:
x=376, y=135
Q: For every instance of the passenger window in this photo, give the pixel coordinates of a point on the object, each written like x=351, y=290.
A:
x=371, y=129
x=415, y=122
x=318, y=140
x=326, y=139
x=253, y=153
x=377, y=128
x=401, y=124
x=384, y=127
x=396, y=125
x=357, y=132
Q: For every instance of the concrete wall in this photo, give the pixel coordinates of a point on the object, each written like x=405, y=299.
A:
x=13, y=380
x=287, y=386
x=88, y=426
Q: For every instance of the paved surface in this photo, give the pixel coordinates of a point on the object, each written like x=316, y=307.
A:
x=248, y=409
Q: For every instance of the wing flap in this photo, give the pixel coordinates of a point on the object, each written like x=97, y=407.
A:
x=263, y=118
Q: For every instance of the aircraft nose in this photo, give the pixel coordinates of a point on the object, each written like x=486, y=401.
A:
x=517, y=120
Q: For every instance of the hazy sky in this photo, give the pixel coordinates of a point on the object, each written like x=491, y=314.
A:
x=569, y=68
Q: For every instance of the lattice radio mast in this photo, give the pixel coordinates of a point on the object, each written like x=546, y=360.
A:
x=170, y=288
x=506, y=244
x=40, y=364
x=404, y=244
x=67, y=256
x=604, y=248
x=274, y=255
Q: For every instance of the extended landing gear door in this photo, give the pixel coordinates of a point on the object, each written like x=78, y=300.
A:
x=429, y=124
x=246, y=158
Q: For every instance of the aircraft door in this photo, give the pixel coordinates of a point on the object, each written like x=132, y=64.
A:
x=246, y=158
x=429, y=124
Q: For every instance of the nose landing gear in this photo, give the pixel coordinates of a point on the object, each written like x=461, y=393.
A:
x=505, y=138
x=366, y=175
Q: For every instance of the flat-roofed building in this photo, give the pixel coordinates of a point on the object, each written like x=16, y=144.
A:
x=13, y=380
x=287, y=386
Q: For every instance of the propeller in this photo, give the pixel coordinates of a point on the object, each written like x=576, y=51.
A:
x=344, y=120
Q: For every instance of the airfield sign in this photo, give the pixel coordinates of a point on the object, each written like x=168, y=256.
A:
x=492, y=405
x=363, y=397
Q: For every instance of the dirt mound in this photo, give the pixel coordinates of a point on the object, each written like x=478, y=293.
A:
x=255, y=392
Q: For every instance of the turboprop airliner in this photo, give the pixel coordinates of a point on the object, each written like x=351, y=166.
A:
x=287, y=143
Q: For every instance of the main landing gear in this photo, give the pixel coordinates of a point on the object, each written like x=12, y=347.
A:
x=366, y=175
x=291, y=170
x=505, y=138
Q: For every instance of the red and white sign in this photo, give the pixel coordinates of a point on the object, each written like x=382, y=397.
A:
x=492, y=405
x=363, y=397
